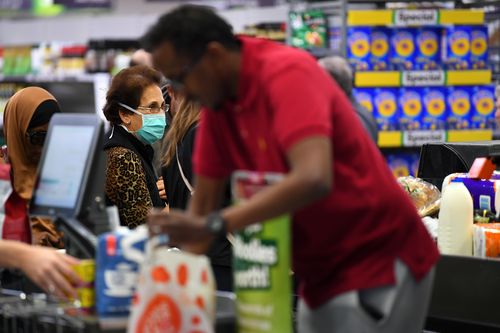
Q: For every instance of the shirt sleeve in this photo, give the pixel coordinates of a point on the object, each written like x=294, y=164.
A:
x=301, y=98
x=126, y=186
x=209, y=159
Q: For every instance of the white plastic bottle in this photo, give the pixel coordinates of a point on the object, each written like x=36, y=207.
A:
x=455, y=221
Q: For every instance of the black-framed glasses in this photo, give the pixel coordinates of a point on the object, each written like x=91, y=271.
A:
x=37, y=138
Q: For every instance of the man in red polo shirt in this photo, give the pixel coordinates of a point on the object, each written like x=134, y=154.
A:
x=363, y=257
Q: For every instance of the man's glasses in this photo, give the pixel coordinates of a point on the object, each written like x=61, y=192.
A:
x=37, y=138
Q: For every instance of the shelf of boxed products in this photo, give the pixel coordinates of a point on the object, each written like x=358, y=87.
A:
x=422, y=78
x=414, y=17
x=47, y=78
x=394, y=139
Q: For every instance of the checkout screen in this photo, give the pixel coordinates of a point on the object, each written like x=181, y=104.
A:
x=63, y=166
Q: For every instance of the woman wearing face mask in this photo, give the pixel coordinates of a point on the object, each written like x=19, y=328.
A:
x=26, y=120
x=136, y=111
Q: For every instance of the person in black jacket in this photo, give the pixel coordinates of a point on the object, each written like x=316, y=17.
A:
x=341, y=72
x=136, y=111
x=178, y=175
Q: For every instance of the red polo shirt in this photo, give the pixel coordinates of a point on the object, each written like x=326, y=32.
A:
x=350, y=239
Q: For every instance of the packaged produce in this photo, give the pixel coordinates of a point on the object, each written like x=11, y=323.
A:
x=403, y=49
x=435, y=111
x=410, y=104
x=386, y=110
x=483, y=107
x=479, y=47
x=428, y=53
x=456, y=49
x=459, y=106
x=358, y=48
x=380, y=48
x=425, y=196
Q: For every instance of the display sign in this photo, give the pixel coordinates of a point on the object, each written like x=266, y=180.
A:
x=419, y=138
x=416, y=17
x=261, y=254
x=423, y=78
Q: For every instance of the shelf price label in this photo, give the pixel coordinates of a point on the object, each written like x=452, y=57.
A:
x=418, y=138
x=404, y=17
x=423, y=78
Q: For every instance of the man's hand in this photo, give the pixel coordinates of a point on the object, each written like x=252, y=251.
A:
x=161, y=188
x=183, y=229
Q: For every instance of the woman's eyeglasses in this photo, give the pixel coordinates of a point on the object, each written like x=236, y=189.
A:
x=155, y=109
x=37, y=138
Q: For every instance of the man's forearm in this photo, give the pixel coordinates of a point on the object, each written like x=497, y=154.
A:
x=11, y=253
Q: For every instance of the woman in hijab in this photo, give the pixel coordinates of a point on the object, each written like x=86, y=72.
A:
x=26, y=121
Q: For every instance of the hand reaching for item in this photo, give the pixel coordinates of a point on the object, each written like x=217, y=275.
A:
x=50, y=270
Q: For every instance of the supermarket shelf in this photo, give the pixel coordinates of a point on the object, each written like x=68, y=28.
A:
x=397, y=139
x=422, y=78
x=414, y=17
x=50, y=78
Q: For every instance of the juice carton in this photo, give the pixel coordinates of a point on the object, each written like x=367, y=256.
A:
x=398, y=163
x=456, y=47
x=459, y=106
x=428, y=44
x=479, y=47
x=358, y=48
x=435, y=111
x=386, y=109
x=364, y=96
x=380, y=48
x=483, y=107
x=410, y=104
x=403, y=49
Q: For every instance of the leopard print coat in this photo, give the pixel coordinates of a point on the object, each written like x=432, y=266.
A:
x=126, y=186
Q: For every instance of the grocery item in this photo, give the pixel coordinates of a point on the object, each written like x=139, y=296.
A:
x=364, y=96
x=119, y=254
x=456, y=48
x=403, y=49
x=435, y=111
x=175, y=293
x=380, y=48
x=86, y=293
x=483, y=107
x=459, y=106
x=358, y=48
x=428, y=48
x=487, y=240
x=414, y=161
x=410, y=104
x=479, y=47
x=425, y=196
x=308, y=29
x=482, y=191
x=386, y=111
x=455, y=221
x=398, y=163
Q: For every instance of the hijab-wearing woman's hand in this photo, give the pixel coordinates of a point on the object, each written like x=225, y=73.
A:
x=51, y=270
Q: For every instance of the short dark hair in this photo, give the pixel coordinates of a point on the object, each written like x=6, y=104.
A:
x=189, y=28
x=127, y=87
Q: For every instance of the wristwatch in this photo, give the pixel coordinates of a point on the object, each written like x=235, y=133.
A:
x=216, y=224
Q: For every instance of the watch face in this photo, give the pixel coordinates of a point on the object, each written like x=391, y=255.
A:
x=215, y=223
